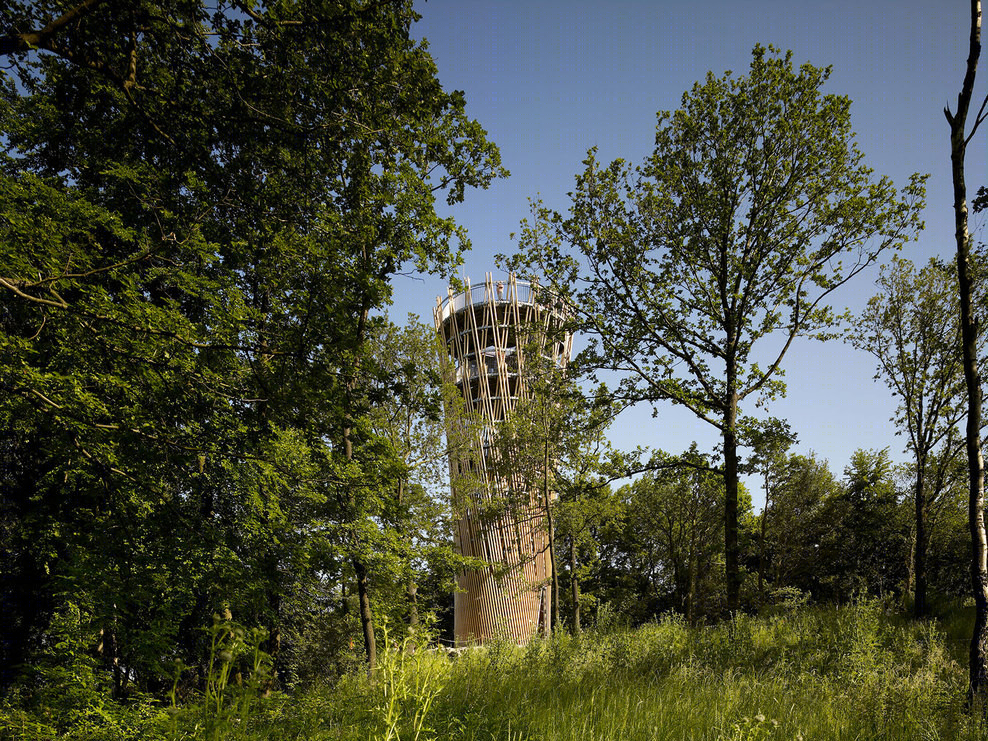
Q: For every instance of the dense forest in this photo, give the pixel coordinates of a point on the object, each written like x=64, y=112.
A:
x=224, y=467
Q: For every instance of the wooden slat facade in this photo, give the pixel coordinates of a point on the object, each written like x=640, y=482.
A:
x=486, y=330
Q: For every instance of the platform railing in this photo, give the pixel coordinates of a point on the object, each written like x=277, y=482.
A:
x=521, y=291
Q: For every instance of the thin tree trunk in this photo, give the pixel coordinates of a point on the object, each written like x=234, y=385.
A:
x=691, y=588
x=731, y=550
x=554, y=597
x=360, y=570
x=910, y=568
x=363, y=594
x=359, y=567
x=411, y=588
x=688, y=590
x=978, y=656
x=366, y=615
x=761, y=543
x=107, y=649
x=575, y=585
x=922, y=537
x=412, y=591
x=273, y=646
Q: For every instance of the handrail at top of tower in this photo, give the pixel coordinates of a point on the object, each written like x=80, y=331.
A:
x=513, y=290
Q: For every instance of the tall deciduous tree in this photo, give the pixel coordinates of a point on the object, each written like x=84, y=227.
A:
x=586, y=505
x=753, y=208
x=911, y=327
x=864, y=545
x=800, y=497
x=959, y=139
x=203, y=204
x=585, y=469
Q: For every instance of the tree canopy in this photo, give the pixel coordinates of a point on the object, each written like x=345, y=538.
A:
x=203, y=205
x=693, y=273
x=911, y=327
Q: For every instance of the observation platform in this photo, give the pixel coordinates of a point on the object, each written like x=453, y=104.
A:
x=488, y=328
x=512, y=291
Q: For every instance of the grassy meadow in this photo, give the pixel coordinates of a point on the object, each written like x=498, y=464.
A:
x=853, y=672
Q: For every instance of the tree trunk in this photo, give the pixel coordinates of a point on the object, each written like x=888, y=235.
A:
x=359, y=567
x=575, y=584
x=107, y=649
x=761, y=543
x=411, y=588
x=273, y=646
x=910, y=568
x=366, y=615
x=978, y=656
x=922, y=538
x=360, y=570
x=412, y=592
x=731, y=551
x=554, y=596
x=691, y=588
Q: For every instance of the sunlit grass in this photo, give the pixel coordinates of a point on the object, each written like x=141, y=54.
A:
x=844, y=673
x=817, y=673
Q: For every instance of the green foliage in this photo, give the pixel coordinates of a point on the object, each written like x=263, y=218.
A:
x=753, y=208
x=950, y=540
x=669, y=542
x=797, y=524
x=64, y=694
x=201, y=208
x=414, y=562
x=804, y=674
x=912, y=328
x=408, y=680
x=753, y=729
x=865, y=548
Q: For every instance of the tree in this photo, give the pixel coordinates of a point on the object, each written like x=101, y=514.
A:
x=407, y=416
x=800, y=495
x=770, y=441
x=950, y=541
x=203, y=205
x=863, y=548
x=587, y=505
x=959, y=138
x=673, y=522
x=585, y=469
x=753, y=208
x=911, y=330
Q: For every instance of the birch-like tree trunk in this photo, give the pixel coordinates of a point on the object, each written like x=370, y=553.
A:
x=959, y=138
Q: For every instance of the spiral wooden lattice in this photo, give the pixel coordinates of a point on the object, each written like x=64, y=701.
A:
x=487, y=331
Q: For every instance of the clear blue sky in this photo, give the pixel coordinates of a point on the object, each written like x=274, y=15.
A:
x=548, y=80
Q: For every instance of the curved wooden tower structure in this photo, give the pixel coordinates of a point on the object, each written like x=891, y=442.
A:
x=486, y=331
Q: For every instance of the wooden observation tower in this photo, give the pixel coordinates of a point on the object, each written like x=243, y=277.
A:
x=487, y=330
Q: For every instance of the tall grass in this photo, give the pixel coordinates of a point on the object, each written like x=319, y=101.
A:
x=825, y=673
x=844, y=673
x=841, y=673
